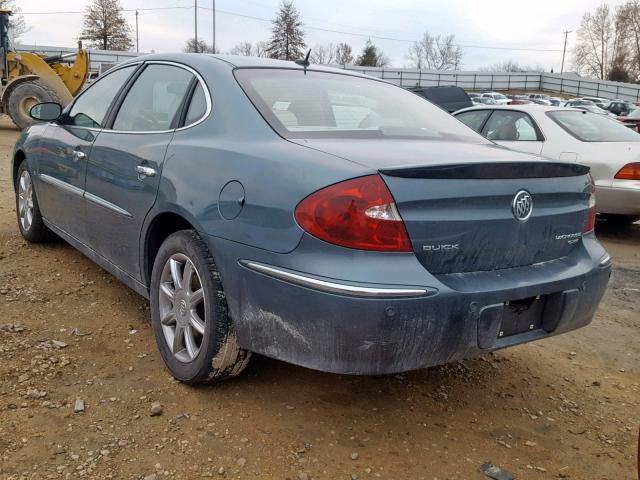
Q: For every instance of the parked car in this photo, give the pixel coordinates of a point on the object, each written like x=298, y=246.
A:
x=594, y=109
x=473, y=95
x=499, y=98
x=578, y=103
x=599, y=101
x=621, y=108
x=539, y=96
x=540, y=101
x=520, y=101
x=604, y=144
x=450, y=98
x=310, y=214
x=632, y=120
x=484, y=101
x=556, y=101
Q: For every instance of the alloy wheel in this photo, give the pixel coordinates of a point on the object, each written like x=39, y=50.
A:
x=25, y=200
x=182, y=307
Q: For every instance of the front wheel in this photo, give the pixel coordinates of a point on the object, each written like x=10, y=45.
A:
x=30, y=223
x=189, y=313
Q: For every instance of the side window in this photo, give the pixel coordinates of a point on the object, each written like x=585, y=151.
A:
x=90, y=109
x=197, y=106
x=474, y=119
x=153, y=100
x=509, y=126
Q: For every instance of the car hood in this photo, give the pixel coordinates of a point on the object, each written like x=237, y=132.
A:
x=394, y=153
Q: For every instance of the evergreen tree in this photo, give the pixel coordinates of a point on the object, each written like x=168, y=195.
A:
x=371, y=56
x=105, y=27
x=287, y=37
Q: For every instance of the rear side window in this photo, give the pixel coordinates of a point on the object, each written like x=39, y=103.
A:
x=154, y=99
x=590, y=127
x=508, y=126
x=90, y=109
x=474, y=119
x=197, y=106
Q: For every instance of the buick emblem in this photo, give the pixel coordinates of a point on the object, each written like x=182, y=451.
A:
x=522, y=206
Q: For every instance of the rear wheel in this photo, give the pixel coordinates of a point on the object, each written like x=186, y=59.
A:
x=620, y=219
x=189, y=313
x=28, y=214
x=26, y=95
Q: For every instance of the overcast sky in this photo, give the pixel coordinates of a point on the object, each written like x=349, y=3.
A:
x=491, y=23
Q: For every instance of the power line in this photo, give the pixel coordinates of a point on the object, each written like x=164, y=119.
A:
x=311, y=27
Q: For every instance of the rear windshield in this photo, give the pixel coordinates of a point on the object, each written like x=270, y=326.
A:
x=313, y=104
x=591, y=127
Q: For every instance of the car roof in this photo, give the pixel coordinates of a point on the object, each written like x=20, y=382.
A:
x=238, y=61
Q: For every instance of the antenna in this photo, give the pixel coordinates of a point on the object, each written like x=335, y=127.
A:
x=305, y=61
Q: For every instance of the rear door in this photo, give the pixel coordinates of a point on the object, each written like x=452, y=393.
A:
x=515, y=130
x=126, y=161
x=66, y=150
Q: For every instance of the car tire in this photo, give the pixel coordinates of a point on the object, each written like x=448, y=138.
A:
x=189, y=313
x=30, y=223
x=24, y=96
x=620, y=219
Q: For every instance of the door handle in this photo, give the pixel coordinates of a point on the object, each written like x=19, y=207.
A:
x=79, y=155
x=145, y=171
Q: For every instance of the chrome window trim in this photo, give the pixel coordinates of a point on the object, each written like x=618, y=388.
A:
x=205, y=87
x=61, y=184
x=105, y=203
x=335, y=287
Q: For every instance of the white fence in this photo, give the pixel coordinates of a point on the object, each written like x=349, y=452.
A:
x=569, y=84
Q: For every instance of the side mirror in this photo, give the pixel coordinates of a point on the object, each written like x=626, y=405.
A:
x=46, y=112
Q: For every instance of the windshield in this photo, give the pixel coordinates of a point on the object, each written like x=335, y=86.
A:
x=313, y=104
x=589, y=127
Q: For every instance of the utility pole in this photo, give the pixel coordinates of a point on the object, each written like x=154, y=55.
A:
x=137, y=38
x=566, y=34
x=195, y=15
x=214, y=27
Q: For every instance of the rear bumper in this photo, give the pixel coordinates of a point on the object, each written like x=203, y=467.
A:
x=622, y=197
x=347, y=332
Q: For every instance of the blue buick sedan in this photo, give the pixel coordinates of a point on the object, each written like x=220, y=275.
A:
x=309, y=214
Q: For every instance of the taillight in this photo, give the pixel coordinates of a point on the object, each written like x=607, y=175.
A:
x=358, y=213
x=590, y=222
x=630, y=171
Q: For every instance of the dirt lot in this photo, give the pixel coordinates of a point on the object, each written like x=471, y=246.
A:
x=568, y=407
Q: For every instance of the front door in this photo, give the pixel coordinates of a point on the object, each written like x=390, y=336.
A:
x=126, y=162
x=65, y=151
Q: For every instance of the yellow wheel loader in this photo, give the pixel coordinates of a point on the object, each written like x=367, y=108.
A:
x=29, y=78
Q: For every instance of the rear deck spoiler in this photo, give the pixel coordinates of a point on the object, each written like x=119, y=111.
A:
x=490, y=170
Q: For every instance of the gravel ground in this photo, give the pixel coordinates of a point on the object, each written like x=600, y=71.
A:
x=84, y=393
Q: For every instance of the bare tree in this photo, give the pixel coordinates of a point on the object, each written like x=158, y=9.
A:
x=436, y=53
x=105, y=27
x=344, y=54
x=202, y=46
x=371, y=56
x=18, y=24
x=594, y=50
x=243, y=48
x=261, y=49
x=628, y=25
x=287, y=37
x=512, y=66
x=323, y=54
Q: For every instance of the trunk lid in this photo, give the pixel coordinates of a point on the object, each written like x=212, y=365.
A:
x=462, y=218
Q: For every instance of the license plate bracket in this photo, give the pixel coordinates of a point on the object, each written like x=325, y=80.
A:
x=520, y=316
